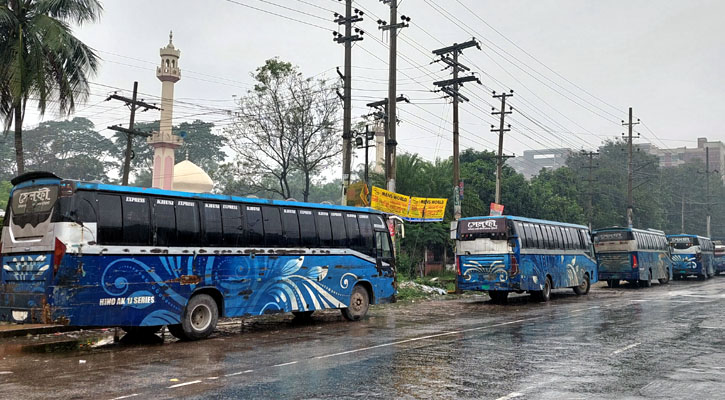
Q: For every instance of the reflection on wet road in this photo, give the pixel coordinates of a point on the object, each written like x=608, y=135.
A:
x=661, y=342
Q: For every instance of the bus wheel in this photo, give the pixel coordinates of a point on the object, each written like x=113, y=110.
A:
x=359, y=304
x=646, y=282
x=302, y=314
x=666, y=279
x=199, y=319
x=498, y=296
x=141, y=330
x=584, y=287
x=545, y=294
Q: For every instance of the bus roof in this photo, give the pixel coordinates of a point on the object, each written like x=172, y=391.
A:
x=524, y=219
x=688, y=235
x=624, y=228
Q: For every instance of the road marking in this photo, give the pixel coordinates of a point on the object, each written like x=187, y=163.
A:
x=183, y=384
x=239, y=373
x=5, y=372
x=631, y=346
x=510, y=396
x=283, y=364
x=212, y=378
x=423, y=338
x=125, y=397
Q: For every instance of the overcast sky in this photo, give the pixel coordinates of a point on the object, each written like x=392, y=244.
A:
x=591, y=60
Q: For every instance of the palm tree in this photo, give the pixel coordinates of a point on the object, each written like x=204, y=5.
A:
x=41, y=60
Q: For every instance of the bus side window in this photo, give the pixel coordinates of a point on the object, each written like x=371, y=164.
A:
x=541, y=233
x=290, y=227
x=527, y=243
x=188, y=231
x=84, y=210
x=518, y=226
x=562, y=239
x=272, y=227
x=322, y=220
x=110, y=222
x=232, y=225
x=339, y=234
x=382, y=240
x=353, y=233
x=550, y=239
x=308, y=232
x=164, y=222
x=254, y=229
x=213, y=224
x=136, y=220
x=366, y=232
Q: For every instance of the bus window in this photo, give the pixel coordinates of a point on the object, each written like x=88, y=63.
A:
x=541, y=234
x=353, y=232
x=272, y=227
x=136, y=220
x=366, y=231
x=110, y=223
x=213, y=224
x=339, y=235
x=521, y=233
x=254, y=229
x=322, y=220
x=188, y=231
x=164, y=222
x=308, y=233
x=550, y=239
x=290, y=227
x=232, y=225
x=560, y=234
x=382, y=240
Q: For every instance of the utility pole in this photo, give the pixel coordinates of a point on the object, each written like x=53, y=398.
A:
x=391, y=142
x=132, y=104
x=383, y=113
x=362, y=141
x=630, y=197
x=682, y=215
x=451, y=87
x=501, y=130
x=590, y=180
x=347, y=39
x=707, y=187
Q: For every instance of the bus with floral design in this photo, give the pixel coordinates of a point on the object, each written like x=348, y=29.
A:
x=92, y=255
x=692, y=255
x=504, y=254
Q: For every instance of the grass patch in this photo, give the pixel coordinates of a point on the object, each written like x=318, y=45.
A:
x=405, y=294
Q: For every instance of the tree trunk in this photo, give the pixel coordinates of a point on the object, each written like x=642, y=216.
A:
x=19, y=139
x=306, y=193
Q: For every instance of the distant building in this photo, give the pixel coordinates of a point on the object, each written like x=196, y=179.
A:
x=681, y=155
x=534, y=161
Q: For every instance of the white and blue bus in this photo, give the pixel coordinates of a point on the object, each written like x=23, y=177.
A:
x=692, y=255
x=91, y=254
x=634, y=255
x=515, y=254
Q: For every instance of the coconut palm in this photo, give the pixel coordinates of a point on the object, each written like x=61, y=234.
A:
x=40, y=59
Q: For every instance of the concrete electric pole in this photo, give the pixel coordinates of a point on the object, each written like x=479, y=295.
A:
x=630, y=172
x=590, y=180
x=501, y=130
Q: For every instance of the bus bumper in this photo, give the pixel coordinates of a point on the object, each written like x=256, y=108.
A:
x=478, y=285
x=621, y=276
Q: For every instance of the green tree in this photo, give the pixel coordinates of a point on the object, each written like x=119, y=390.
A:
x=41, y=60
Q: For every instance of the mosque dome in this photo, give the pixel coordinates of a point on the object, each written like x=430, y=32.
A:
x=188, y=177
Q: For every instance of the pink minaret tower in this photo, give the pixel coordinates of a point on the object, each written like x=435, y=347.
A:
x=163, y=141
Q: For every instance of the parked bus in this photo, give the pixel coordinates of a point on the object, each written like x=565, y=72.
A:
x=514, y=254
x=692, y=255
x=634, y=255
x=719, y=254
x=91, y=254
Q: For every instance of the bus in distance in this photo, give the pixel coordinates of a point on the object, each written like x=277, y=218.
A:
x=92, y=255
x=503, y=254
x=634, y=255
x=692, y=255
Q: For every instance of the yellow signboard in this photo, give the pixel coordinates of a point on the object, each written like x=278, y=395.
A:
x=357, y=195
x=409, y=208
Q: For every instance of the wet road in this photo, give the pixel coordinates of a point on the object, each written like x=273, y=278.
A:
x=663, y=342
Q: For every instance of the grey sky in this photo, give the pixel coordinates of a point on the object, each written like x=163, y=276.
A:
x=664, y=58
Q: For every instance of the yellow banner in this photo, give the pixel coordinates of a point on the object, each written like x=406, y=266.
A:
x=357, y=195
x=409, y=208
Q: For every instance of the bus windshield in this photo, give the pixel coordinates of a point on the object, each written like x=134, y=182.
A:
x=684, y=242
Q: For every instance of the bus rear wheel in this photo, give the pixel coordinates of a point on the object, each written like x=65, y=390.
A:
x=498, y=296
x=359, y=304
x=198, y=320
x=544, y=294
x=584, y=287
x=666, y=279
x=645, y=283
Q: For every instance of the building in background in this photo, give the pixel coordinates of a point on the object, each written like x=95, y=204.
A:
x=534, y=161
x=681, y=155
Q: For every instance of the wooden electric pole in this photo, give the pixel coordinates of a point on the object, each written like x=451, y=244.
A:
x=347, y=39
x=391, y=142
x=133, y=105
x=630, y=171
x=451, y=87
x=501, y=130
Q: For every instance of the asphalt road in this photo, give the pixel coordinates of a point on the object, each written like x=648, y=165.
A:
x=663, y=342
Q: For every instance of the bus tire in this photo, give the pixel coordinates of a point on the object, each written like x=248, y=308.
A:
x=666, y=279
x=645, y=283
x=198, y=320
x=498, y=296
x=303, y=314
x=584, y=287
x=359, y=304
x=543, y=295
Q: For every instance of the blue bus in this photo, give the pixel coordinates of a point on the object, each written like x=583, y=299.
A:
x=719, y=254
x=98, y=255
x=692, y=255
x=634, y=255
x=515, y=254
